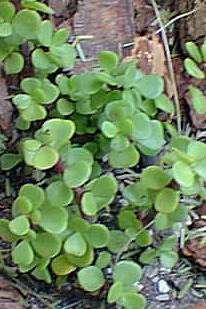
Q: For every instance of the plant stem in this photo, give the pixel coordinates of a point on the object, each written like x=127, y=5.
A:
x=170, y=65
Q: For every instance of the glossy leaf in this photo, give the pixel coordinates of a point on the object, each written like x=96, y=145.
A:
x=46, y=245
x=164, y=104
x=27, y=24
x=33, y=193
x=183, y=174
x=97, y=235
x=154, y=177
x=20, y=225
x=127, y=272
x=91, y=278
x=192, y=69
x=108, y=60
x=193, y=51
x=54, y=219
x=167, y=200
x=14, y=63
x=198, y=100
x=23, y=253
x=150, y=86
x=61, y=266
x=58, y=194
x=9, y=160
x=75, y=244
x=133, y=301
x=115, y=292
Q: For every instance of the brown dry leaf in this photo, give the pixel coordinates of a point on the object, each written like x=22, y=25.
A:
x=5, y=106
x=196, y=248
x=150, y=54
x=9, y=297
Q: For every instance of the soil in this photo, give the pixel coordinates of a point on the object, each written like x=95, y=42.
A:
x=114, y=25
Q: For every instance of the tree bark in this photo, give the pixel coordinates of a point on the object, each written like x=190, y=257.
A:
x=192, y=27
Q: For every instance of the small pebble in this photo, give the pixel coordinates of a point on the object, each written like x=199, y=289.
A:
x=155, y=279
x=163, y=297
x=151, y=272
x=163, y=287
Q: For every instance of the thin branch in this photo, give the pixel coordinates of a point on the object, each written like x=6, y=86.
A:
x=173, y=20
x=170, y=65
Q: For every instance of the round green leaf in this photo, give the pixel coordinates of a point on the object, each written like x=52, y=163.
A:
x=45, y=158
x=168, y=259
x=30, y=148
x=43, y=61
x=27, y=24
x=141, y=126
x=193, y=70
x=60, y=37
x=21, y=206
x=119, y=143
x=5, y=232
x=167, y=200
x=136, y=194
x=115, y=292
x=183, y=174
x=128, y=219
x=20, y=225
x=89, y=205
x=109, y=129
x=82, y=261
x=77, y=174
x=14, y=63
x=5, y=29
x=197, y=150
x=33, y=193
x=23, y=254
x=133, y=301
x=42, y=274
x=200, y=169
x=104, y=190
x=9, y=160
x=117, y=241
x=193, y=51
x=91, y=278
x=33, y=112
x=154, y=177
x=65, y=107
x=58, y=194
x=53, y=219
x=164, y=104
x=127, y=272
x=78, y=224
x=150, y=86
x=37, y=6
x=65, y=55
x=22, y=101
x=104, y=259
x=61, y=266
x=162, y=222
x=198, y=100
x=46, y=245
x=122, y=159
x=97, y=235
x=61, y=130
x=144, y=238
x=75, y=244
x=7, y=10
x=108, y=60
x=148, y=256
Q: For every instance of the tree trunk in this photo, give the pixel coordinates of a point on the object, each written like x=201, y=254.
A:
x=192, y=27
